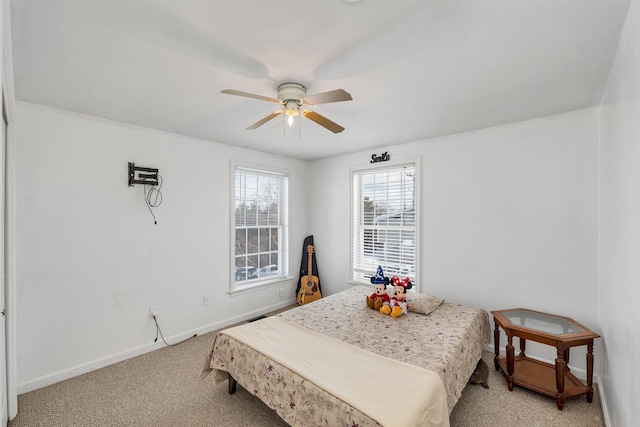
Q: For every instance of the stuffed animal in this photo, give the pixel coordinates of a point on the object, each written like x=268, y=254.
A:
x=379, y=297
x=398, y=304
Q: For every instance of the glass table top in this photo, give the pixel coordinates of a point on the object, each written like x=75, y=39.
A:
x=542, y=322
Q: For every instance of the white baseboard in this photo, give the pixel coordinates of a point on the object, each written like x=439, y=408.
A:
x=65, y=374
x=4, y=416
x=603, y=402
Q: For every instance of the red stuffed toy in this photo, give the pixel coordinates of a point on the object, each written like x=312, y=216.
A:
x=379, y=297
x=398, y=305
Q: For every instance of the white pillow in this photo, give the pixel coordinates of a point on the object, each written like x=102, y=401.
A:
x=422, y=303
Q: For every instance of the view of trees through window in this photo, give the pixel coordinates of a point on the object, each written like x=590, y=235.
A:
x=258, y=225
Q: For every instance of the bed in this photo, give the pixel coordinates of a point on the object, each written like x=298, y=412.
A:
x=445, y=344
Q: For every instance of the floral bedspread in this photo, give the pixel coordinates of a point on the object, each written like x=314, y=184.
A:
x=449, y=341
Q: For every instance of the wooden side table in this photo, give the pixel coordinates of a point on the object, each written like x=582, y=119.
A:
x=558, y=331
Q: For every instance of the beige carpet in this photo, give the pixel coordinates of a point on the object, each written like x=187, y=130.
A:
x=163, y=388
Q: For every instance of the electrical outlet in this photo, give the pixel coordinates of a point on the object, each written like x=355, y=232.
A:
x=154, y=311
x=281, y=292
x=206, y=299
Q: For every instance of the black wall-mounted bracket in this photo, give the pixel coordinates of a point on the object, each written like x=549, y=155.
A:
x=149, y=178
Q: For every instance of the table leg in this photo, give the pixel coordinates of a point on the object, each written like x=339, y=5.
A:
x=566, y=358
x=523, y=344
x=590, y=372
x=560, y=371
x=496, y=343
x=510, y=361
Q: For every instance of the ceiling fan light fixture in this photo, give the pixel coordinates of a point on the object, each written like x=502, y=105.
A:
x=291, y=109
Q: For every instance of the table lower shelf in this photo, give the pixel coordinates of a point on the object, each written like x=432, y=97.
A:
x=541, y=377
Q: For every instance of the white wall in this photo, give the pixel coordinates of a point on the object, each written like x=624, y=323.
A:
x=619, y=251
x=90, y=259
x=509, y=218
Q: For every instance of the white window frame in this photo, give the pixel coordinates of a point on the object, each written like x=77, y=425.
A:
x=244, y=286
x=362, y=267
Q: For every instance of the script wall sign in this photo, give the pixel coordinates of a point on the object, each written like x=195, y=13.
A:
x=381, y=158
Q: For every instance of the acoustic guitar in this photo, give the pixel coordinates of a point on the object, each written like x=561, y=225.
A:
x=309, y=288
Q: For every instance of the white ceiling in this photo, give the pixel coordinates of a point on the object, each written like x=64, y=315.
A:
x=415, y=68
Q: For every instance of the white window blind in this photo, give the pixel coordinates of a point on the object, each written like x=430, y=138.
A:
x=384, y=222
x=258, y=212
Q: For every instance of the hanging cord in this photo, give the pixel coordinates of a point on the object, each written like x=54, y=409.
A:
x=153, y=198
x=158, y=331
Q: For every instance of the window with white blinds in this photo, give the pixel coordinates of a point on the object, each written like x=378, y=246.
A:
x=259, y=212
x=384, y=222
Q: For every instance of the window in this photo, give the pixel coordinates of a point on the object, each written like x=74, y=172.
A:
x=260, y=234
x=384, y=222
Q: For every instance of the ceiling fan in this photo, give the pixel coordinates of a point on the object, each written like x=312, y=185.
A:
x=292, y=96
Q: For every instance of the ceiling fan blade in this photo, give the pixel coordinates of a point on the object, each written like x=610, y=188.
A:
x=251, y=95
x=337, y=95
x=323, y=121
x=265, y=120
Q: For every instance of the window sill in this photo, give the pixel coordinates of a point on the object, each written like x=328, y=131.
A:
x=354, y=283
x=244, y=289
